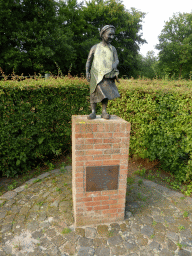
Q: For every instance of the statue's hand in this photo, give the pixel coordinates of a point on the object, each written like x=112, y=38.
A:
x=88, y=77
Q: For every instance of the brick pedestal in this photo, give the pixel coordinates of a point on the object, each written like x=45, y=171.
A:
x=100, y=150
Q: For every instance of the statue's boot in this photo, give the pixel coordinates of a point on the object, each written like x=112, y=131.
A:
x=93, y=114
x=105, y=115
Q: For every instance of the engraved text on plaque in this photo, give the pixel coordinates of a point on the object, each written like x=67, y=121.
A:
x=100, y=178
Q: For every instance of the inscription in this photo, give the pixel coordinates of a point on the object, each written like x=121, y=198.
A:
x=100, y=178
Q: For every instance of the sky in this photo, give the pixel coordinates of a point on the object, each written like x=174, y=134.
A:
x=157, y=13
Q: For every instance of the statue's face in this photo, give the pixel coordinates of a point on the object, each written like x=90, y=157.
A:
x=108, y=35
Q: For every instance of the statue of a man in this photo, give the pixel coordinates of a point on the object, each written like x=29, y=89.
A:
x=104, y=60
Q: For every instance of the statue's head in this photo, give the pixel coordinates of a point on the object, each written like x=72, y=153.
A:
x=107, y=33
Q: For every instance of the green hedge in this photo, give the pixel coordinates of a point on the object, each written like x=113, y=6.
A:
x=160, y=113
x=37, y=120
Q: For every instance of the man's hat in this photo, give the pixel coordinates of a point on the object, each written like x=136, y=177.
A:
x=105, y=28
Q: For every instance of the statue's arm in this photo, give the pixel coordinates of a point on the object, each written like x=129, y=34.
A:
x=89, y=62
x=115, y=59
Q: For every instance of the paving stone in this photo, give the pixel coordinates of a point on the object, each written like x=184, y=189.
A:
x=8, y=195
x=155, y=246
x=112, y=241
x=102, y=251
x=6, y=228
x=2, y=215
x=171, y=245
x=99, y=242
x=147, y=230
x=184, y=253
x=80, y=231
x=86, y=251
x=151, y=230
x=58, y=240
x=165, y=252
x=68, y=248
x=102, y=230
x=85, y=242
x=130, y=246
x=19, y=189
x=173, y=236
x=44, y=175
x=118, y=250
x=90, y=232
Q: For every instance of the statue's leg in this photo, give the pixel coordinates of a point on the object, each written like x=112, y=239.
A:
x=105, y=115
x=93, y=114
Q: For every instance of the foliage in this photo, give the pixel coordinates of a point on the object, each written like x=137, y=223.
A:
x=98, y=13
x=147, y=65
x=160, y=115
x=175, y=45
x=32, y=39
x=55, y=36
x=36, y=120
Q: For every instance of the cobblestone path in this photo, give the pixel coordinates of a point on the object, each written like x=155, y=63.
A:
x=36, y=219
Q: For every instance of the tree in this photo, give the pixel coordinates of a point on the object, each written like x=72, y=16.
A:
x=32, y=40
x=98, y=13
x=147, y=65
x=175, y=45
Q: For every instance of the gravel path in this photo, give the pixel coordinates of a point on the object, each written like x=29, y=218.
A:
x=36, y=219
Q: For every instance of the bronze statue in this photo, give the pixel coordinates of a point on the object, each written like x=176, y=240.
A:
x=104, y=60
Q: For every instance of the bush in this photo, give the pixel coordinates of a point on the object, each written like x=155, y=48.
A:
x=36, y=120
x=160, y=115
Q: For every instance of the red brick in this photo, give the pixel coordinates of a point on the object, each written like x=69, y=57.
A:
x=102, y=157
x=94, y=194
x=121, y=211
x=112, y=140
x=108, y=202
x=124, y=172
x=79, y=175
x=83, y=147
x=119, y=156
x=102, y=207
x=84, y=199
x=124, y=151
x=116, y=196
x=111, y=162
x=116, y=206
x=90, y=208
x=92, y=203
x=116, y=145
x=80, y=141
x=84, y=158
x=80, y=204
x=109, y=192
x=112, y=151
x=79, y=179
x=79, y=164
x=120, y=134
x=103, y=146
x=109, y=211
x=94, y=163
x=103, y=128
x=83, y=135
x=93, y=152
x=124, y=161
x=102, y=135
x=93, y=141
x=99, y=198
x=79, y=152
x=125, y=127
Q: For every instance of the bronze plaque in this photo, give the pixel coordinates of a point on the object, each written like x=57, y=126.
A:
x=100, y=178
